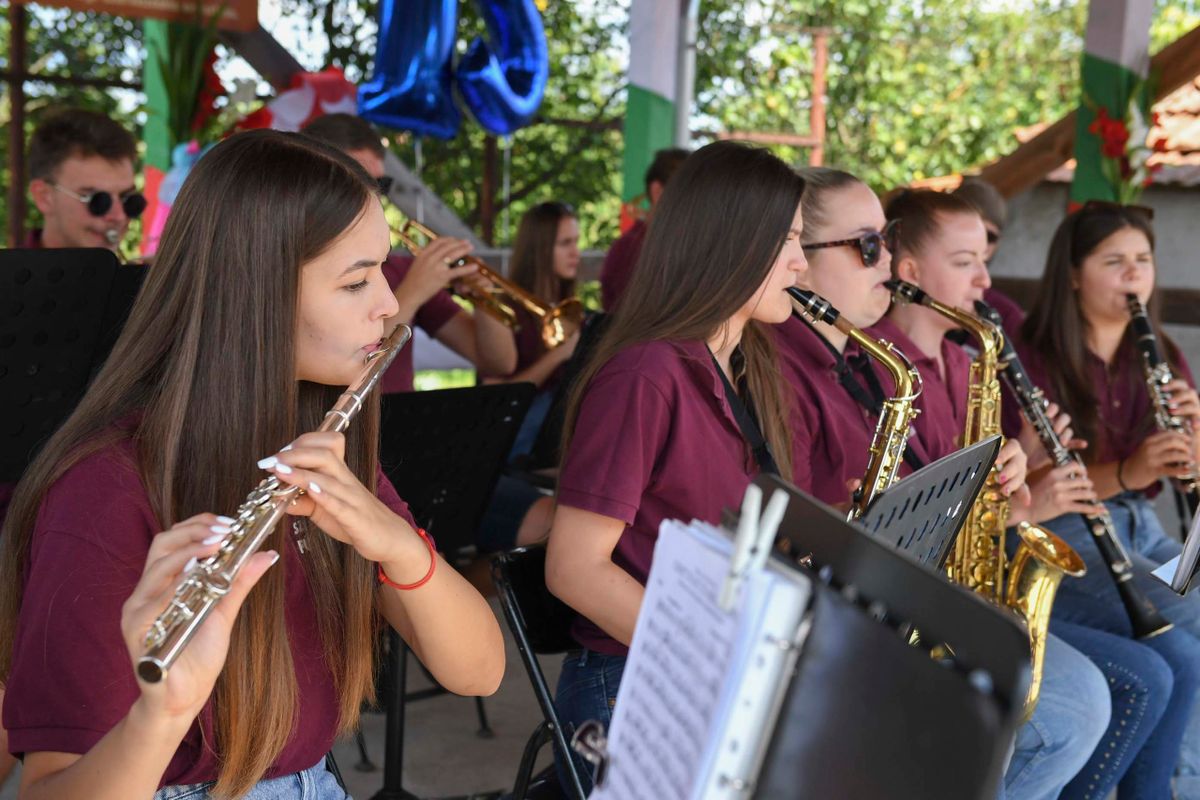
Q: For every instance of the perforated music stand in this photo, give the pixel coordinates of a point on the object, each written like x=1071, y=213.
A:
x=60, y=312
x=443, y=451
x=867, y=715
x=922, y=514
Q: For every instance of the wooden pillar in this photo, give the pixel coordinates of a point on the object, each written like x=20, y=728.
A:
x=816, y=113
x=16, y=127
x=487, y=191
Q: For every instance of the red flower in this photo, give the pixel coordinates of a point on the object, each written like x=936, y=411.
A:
x=1098, y=123
x=1149, y=179
x=1159, y=145
x=210, y=90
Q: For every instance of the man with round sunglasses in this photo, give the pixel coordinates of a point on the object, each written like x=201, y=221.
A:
x=82, y=180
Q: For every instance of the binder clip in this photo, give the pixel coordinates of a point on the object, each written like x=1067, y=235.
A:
x=591, y=743
x=753, y=541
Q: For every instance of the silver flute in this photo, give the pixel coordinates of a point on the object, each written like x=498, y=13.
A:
x=209, y=580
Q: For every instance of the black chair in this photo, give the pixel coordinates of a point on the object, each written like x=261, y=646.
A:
x=60, y=314
x=443, y=451
x=539, y=623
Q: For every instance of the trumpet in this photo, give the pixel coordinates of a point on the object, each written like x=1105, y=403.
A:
x=500, y=300
x=211, y=579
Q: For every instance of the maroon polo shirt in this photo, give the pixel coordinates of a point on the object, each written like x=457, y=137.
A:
x=1124, y=416
x=72, y=679
x=530, y=347
x=943, y=402
x=430, y=317
x=619, y=263
x=33, y=240
x=655, y=439
x=831, y=431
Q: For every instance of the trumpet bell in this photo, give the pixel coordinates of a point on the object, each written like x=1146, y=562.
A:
x=561, y=322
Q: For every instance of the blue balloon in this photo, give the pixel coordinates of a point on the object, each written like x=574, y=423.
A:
x=411, y=86
x=502, y=83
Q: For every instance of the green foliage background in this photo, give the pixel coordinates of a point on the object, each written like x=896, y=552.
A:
x=915, y=89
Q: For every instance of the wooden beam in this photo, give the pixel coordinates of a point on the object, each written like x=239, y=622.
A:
x=265, y=54
x=764, y=137
x=69, y=80
x=1176, y=64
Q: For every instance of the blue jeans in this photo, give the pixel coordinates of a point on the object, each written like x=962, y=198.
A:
x=1093, y=601
x=1069, y=720
x=587, y=689
x=1140, y=683
x=314, y=783
x=531, y=426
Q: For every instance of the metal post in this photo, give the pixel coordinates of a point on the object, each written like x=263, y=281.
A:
x=16, y=126
x=685, y=72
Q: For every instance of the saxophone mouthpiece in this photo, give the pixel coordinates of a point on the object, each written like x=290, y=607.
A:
x=906, y=292
x=813, y=306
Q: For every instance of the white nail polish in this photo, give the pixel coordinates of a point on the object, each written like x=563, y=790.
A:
x=274, y=557
x=189, y=565
x=226, y=520
x=216, y=537
x=314, y=488
x=268, y=462
x=222, y=529
x=285, y=448
x=283, y=469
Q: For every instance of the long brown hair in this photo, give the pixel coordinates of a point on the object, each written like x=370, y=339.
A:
x=206, y=367
x=1056, y=328
x=710, y=244
x=533, y=252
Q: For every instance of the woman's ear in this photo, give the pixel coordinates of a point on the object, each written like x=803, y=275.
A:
x=907, y=270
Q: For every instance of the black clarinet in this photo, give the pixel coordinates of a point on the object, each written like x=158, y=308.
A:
x=1157, y=372
x=1146, y=620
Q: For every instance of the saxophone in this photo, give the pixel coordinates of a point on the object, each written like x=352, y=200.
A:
x=1157, y=373
x=895, y=418
x=1028, y=584
x=211, y=579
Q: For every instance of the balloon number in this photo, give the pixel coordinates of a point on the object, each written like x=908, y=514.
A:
x=501, y=80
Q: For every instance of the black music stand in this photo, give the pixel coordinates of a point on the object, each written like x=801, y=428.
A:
x=443, y=451
x=922, y=514
x=867, y=715
x=60, y=314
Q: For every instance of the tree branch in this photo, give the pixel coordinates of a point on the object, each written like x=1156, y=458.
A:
x=592, y=130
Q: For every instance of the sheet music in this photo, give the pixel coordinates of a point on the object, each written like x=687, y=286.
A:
x=1180, y=570
x=672, y=681
x=702, y=686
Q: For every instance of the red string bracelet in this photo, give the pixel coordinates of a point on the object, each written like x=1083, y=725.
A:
x=383, y=578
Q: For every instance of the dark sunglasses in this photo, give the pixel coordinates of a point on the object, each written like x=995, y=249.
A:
x=385, y=184
x=870, y=245
x=1107, y=205
x=99, y=203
